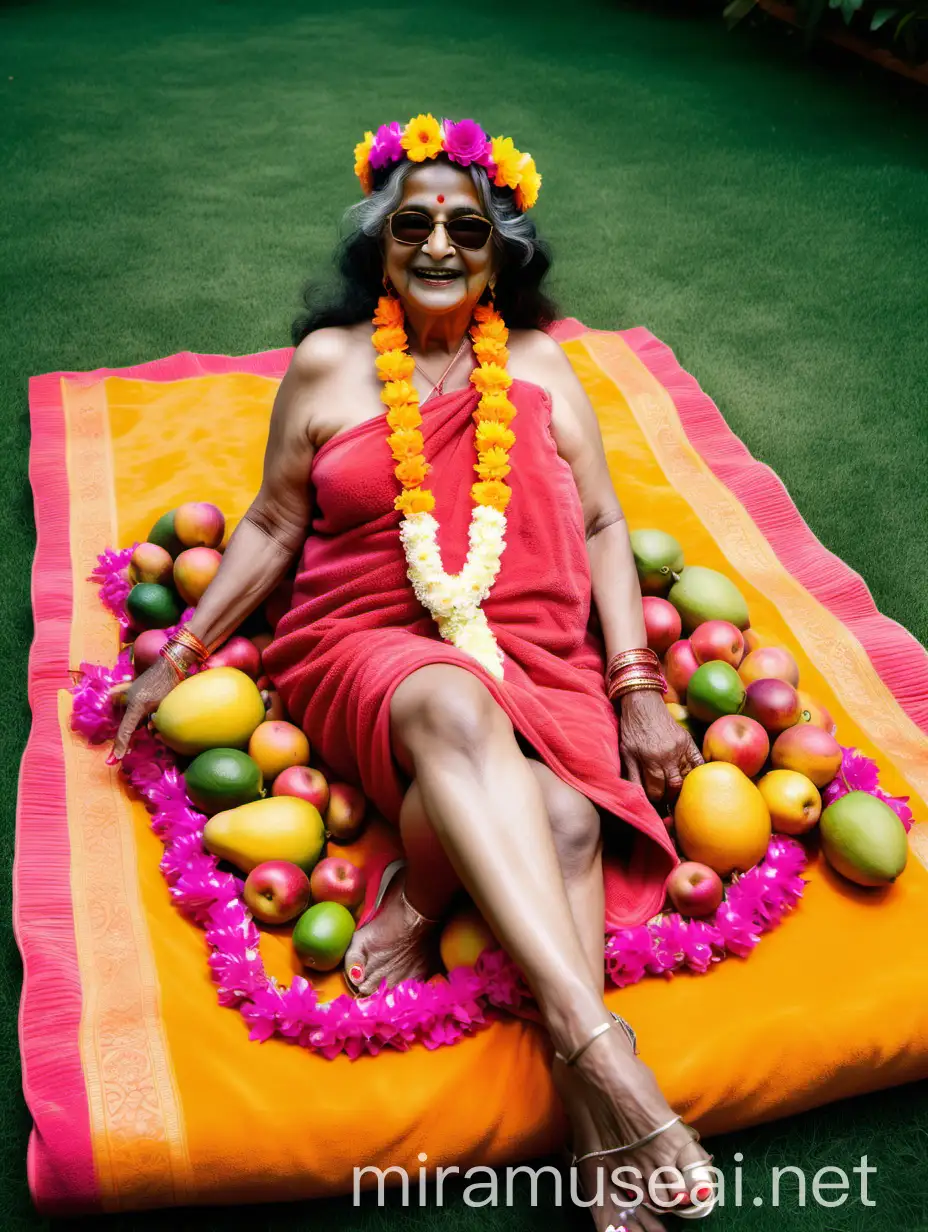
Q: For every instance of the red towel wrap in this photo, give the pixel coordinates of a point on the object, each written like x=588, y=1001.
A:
x=355, y=628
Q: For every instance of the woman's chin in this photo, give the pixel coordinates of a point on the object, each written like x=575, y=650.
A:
x=435, y=298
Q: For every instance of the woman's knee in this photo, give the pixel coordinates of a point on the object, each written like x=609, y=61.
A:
x=441, y=706
x=575, y=822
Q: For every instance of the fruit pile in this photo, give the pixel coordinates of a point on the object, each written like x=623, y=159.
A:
x=271, y=815
x=769, y=748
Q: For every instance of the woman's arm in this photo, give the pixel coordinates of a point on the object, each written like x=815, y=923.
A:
x=273, y=530
x=656, y=751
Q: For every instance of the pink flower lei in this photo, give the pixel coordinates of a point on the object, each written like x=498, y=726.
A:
x=433, y=1013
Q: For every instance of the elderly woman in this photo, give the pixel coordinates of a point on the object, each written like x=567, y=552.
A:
x=465, y=637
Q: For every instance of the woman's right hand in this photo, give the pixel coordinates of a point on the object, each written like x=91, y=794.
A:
x=143, y=696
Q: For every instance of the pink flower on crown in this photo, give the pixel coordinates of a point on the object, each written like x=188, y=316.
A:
x=386, y=147
x=466, y=143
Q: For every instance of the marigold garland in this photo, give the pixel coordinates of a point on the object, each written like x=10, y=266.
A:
x=454, y=600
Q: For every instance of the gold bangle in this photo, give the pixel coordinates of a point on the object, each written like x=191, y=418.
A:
x=638, y=682
x=636, y=677
x=637, y=688
x=183, y=637
x=180, y=668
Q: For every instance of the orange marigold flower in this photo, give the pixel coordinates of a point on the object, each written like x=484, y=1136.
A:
x=389, y=338
x=394, y=393
x=493, y=436
x=490, y=379
x=421, y=138
x=405, y=443
x=406, y=415
x=491, y=492
x=491, y=351
x=362, y=166
x=494, y=330
x=411, y=471
x=415, y=500
x=508, y=160
x=486, y=312
x=493, y=464
x=529, y=184
x=495, y=408
x=389, y=312
x=395, y=366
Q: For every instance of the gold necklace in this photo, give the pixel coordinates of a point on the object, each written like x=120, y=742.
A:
x=438, y=384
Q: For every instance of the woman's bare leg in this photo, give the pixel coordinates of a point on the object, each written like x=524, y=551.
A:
x=398, y=945
x=487, y=809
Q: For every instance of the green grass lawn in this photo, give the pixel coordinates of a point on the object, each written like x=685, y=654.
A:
x=171, y=172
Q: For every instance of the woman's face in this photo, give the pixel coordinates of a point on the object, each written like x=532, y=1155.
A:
x=441, y=191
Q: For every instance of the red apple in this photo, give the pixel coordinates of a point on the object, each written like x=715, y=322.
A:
x=679, y=665
x=275, y=707
x=773, y=703
x=237, y=652
x=769, y=663
x=337, y=880
x=695, y=889
x=662, y=623
x=146, y=648
x=717, y=639
x=305, y=783
x=344, y=818
x=738, y=740
x=277, y=891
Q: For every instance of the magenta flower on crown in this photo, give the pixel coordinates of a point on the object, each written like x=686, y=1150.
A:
x=386, y=147
x=466, y=143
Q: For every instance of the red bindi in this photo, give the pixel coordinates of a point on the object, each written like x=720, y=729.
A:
x=440, y=198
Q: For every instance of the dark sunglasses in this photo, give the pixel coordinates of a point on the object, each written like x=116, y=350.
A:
x=415, y=226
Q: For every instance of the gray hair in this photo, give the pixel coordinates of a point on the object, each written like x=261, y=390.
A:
x=511, y=229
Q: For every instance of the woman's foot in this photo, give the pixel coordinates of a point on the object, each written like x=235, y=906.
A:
x=398, y=944
x=611, y=1098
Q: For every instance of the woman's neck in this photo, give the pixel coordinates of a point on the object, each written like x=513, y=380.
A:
x=437, y=335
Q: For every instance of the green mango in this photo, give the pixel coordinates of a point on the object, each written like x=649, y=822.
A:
x=658, y=557
x=864, y=840
x=703, y=594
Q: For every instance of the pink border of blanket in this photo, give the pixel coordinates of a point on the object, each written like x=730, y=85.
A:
x=60, y=1158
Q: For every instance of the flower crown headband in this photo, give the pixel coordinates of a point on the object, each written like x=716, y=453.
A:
x=464, y=143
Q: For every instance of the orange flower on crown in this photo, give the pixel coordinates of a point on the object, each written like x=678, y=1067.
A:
x=395, y=366
x=421, y=138
x=389, y=338
x=490, y=379
x=362, y=167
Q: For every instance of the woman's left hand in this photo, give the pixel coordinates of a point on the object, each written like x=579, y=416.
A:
x=657, y=753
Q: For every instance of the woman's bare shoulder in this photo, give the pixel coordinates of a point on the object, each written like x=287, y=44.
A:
x=329, y=349
x=536, y=356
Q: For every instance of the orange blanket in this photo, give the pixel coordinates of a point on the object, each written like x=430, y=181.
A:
x=144, y=1092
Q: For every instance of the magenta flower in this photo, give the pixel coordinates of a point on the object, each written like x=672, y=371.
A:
x=386, y=147
x=466, y=143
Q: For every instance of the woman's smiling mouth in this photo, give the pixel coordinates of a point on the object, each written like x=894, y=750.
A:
x=435, y=277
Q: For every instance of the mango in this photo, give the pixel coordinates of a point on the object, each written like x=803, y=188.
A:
x=198, y=524
x=194, y=569
x=863, y=839
x=658, y=557
x=218, y=709
x=277, y=828
x=703, y=594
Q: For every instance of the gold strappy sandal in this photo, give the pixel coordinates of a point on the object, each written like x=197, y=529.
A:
x=701, y=1194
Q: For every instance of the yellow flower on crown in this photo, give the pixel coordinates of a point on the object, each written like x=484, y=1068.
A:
x=421, y=138
x=508, y=160
x=362, y=166
x=529, y=184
